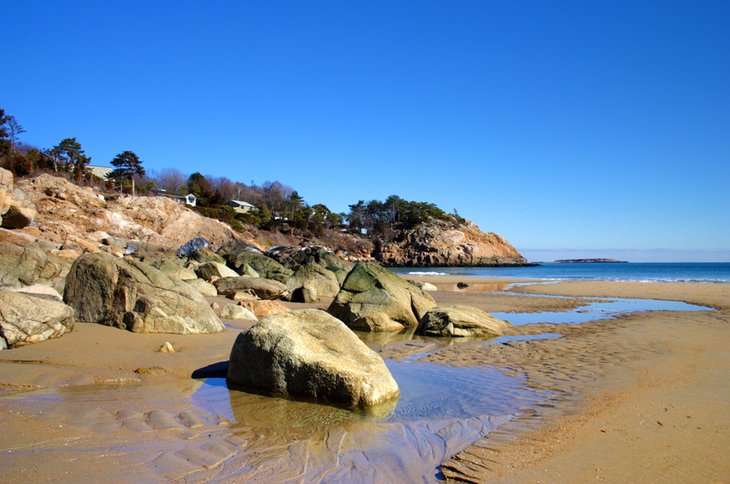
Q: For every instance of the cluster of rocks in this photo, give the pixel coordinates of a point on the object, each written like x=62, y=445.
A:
x=48, y=285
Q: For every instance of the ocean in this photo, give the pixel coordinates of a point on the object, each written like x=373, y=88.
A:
x=696, y=272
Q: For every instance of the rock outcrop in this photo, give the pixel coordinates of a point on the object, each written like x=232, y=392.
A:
x=439, y=243
x=66, y=210
x=31, y=318
x=460, y=321
x=309, y=354
x=132, y=295
x=373, y=298
x=263, y=288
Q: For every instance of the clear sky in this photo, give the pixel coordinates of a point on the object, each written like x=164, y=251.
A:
x=580, y=128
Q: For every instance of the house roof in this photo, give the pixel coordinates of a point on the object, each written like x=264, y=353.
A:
x=241, y=203
x=100, y=171
x=165, y=193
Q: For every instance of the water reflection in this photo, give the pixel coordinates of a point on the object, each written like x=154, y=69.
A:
x=606, y=308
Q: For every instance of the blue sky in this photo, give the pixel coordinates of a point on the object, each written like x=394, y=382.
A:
x=572, y=128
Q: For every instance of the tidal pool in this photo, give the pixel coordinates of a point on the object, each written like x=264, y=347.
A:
x=606, y=308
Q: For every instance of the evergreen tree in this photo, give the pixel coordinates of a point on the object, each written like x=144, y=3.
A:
x=69, y=157
x=128, y=165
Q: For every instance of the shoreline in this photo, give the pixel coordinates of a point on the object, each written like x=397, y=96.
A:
x=605, y=374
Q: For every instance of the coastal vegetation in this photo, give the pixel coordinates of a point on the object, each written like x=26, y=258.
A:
x=278, y=207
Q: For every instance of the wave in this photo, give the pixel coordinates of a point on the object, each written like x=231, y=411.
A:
x=426, y=273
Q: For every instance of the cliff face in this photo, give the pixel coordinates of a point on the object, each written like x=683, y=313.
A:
x=440, y=244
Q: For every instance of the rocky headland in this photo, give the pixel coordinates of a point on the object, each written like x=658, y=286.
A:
x=440, y=244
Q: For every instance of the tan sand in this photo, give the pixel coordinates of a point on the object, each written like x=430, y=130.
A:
x=642, y=398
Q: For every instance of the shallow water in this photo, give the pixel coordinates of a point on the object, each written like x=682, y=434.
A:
x=604, y=309
x=200, y=430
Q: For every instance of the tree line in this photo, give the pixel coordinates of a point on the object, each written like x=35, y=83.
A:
x=278, y=206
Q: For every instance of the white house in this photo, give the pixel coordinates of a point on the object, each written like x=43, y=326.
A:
x=188, y=199
x=239, y=206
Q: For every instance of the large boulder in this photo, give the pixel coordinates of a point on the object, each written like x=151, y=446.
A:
x=369, y=289
x=311, y=282
x=460, y=321
x=31, y=318
x=309, y=354
x=245, y=261
x=263, y=288
x=27, y=264
x=132, y=295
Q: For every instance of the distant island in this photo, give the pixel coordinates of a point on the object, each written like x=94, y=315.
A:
x=591, y=261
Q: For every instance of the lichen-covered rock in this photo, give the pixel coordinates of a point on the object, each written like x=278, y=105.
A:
x=460, y=321
x=263, y=288
x=309, y=354
x=31, y=318
x=245, y=261
x=370, y=288
x=132, y=295
x=311, y=282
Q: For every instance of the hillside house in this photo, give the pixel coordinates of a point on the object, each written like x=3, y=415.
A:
x=239, y=206
x=188, y=199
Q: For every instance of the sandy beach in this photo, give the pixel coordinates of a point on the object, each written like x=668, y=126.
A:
x=639, y=398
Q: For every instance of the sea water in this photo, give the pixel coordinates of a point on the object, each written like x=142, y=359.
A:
x=695, y=272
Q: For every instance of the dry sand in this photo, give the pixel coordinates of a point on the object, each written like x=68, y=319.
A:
x=640, y=398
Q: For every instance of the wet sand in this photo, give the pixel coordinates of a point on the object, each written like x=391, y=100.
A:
x=640, y=398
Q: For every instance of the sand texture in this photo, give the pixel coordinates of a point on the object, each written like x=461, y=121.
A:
x=640, y=398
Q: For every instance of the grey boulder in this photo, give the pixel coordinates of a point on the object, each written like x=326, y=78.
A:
x=309, y=354
x=132, y=295
x=311, y=282
x=30, y=318
x=460, y=321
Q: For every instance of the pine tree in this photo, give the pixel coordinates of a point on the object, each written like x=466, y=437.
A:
x=128, y=165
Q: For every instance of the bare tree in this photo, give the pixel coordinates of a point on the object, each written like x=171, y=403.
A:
x=171, y=180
